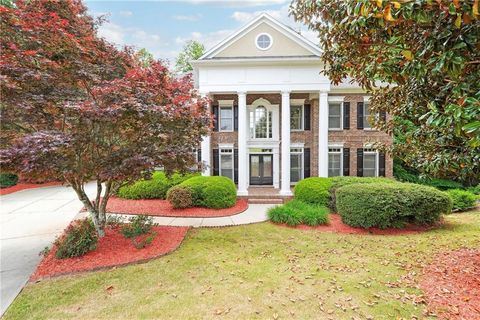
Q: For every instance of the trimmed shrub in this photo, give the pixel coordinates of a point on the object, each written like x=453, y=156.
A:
x=79, y=238
x=313, y=190
x=462, y=199
x=138, y=225
x=8, y=180
x=154, y=188
x=215, y=192
x=180, y=197
x=338, y=182
x=297, y=212
x=385, y=205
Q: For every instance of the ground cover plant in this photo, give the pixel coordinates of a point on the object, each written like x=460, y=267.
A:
x=8, y=180
x=385, y=205
x=260, y=271
x=214, y=192
x=78, y=239
x=297, y=212
x=462, y=199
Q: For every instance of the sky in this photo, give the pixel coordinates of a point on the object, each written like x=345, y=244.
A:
x=163, y=27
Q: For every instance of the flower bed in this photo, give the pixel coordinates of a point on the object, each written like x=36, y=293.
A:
x=112, y=250
x=24, y=186
x=157, y=207
x=336, y=225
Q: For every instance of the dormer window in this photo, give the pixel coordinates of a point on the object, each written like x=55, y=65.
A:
x=263, y=41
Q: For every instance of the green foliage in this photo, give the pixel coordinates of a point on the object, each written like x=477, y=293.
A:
x=442, y=184
x=405, y=175
x=143, y=241
x=144, y=57
x=428, y=52
x=297, y=212
x=138, y=225
x=385, y=205
x=79, y=238
x=8, y=180
x=462, y=199
x=180, y=197
x=475, y=189
x=212, y=192
x=313, y=190
x=154, y=188
x=191, y=51
x=338, y=182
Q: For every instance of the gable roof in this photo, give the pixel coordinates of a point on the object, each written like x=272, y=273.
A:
x=262, y=18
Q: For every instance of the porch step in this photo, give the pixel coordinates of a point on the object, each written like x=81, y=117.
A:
x=265, y=200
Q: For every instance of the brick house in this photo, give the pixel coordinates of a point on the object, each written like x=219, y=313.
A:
x=278, y=120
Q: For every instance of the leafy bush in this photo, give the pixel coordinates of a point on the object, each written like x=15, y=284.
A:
x=338, y=182
x=385, y=205
x=442, y=184
x=313, y=190
x=180, y=197
x=462, y=199
x=79, y=238
x=474, y=190
x=137, y=226
x=8, y=180
x=154, y=188
x=297, y=212
x=212, y=192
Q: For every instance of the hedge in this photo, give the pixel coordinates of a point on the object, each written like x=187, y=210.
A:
x=297, y=212
x=8, y=180
x=385, y=205
x=462, y=200
x=215, y=192
x=313, y=190
x=154, y=188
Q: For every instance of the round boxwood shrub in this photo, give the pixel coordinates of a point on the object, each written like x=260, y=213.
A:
x=338, y=182
x=313, y=190
x=79, y=238
x=462, y=199
x=212, y=192
x=385, y=205
x=8, y=180
x=180, y=197
x=154, y=188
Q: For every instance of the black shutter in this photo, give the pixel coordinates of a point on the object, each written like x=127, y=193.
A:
x=346, y=115
x=216, y=162
x=359, y=115
x=235, y=165
x=346, y=161
x=383, y=116
x=199, y=159
x=360, y=162
x=306, y=117
x=306, y=162
x=235, y=118
x=381, y=164
x=215, y=117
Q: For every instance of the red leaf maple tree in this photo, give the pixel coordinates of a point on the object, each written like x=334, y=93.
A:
x=76, y=109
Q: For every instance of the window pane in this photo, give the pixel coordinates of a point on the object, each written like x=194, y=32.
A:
x=296, y=167
x=334, y=164
x=226, y=165
x=366, y=116
x=369, y=165
x=226, y=116
x=296, y=118
x=334, y=115
x=260, y=122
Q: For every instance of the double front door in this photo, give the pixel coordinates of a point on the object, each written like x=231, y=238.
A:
x=261, y=169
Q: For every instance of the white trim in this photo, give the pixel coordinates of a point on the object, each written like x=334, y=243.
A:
x=341, y=158
x=341, y=116
x=366, y=98
x=297, y=102
x=302, y=162
x=377, y=167
x=232, y=154
x=225, y=103
x=225, y=146
x=302, y=116
x=336, y=98
x=269, y=37
x=336, y=145
x=297, y=145
x=220, y=117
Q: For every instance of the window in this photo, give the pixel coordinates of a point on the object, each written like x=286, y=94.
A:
x=335, y=115
x=296, y=118
x=226, y=163
x=261, y=123
x=334, y=162
x=226, y=119
x=296, y=164
x=263, y=41
x=370, y=163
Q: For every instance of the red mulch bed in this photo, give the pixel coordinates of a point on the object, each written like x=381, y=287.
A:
x=336, y=225
x=23, y=186
x=156, y=207
x=112, y=250
x=452, y=284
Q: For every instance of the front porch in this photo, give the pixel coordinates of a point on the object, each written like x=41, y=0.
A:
x=266, y=194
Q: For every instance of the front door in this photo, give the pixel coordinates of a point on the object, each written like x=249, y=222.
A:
x=261, y=169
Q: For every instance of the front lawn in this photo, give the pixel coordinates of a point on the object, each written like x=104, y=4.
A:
x=258, y=271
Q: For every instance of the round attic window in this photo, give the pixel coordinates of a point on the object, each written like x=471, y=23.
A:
x=263, y=41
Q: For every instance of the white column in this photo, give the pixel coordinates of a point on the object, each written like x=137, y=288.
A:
x=242, y=144
x=205, y=149
x=323, y=134
x=285, y=181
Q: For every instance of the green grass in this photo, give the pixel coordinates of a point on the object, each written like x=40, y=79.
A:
x=257, y=271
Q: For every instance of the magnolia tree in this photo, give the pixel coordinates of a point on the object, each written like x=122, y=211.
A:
x=76, y=109
x=428, y=53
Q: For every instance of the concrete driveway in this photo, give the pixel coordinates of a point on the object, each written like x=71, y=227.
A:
x=29, y=221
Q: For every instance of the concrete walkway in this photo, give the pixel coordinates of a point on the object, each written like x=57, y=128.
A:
x=30, y=220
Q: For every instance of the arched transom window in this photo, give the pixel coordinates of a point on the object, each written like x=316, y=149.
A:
x=260, y=123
